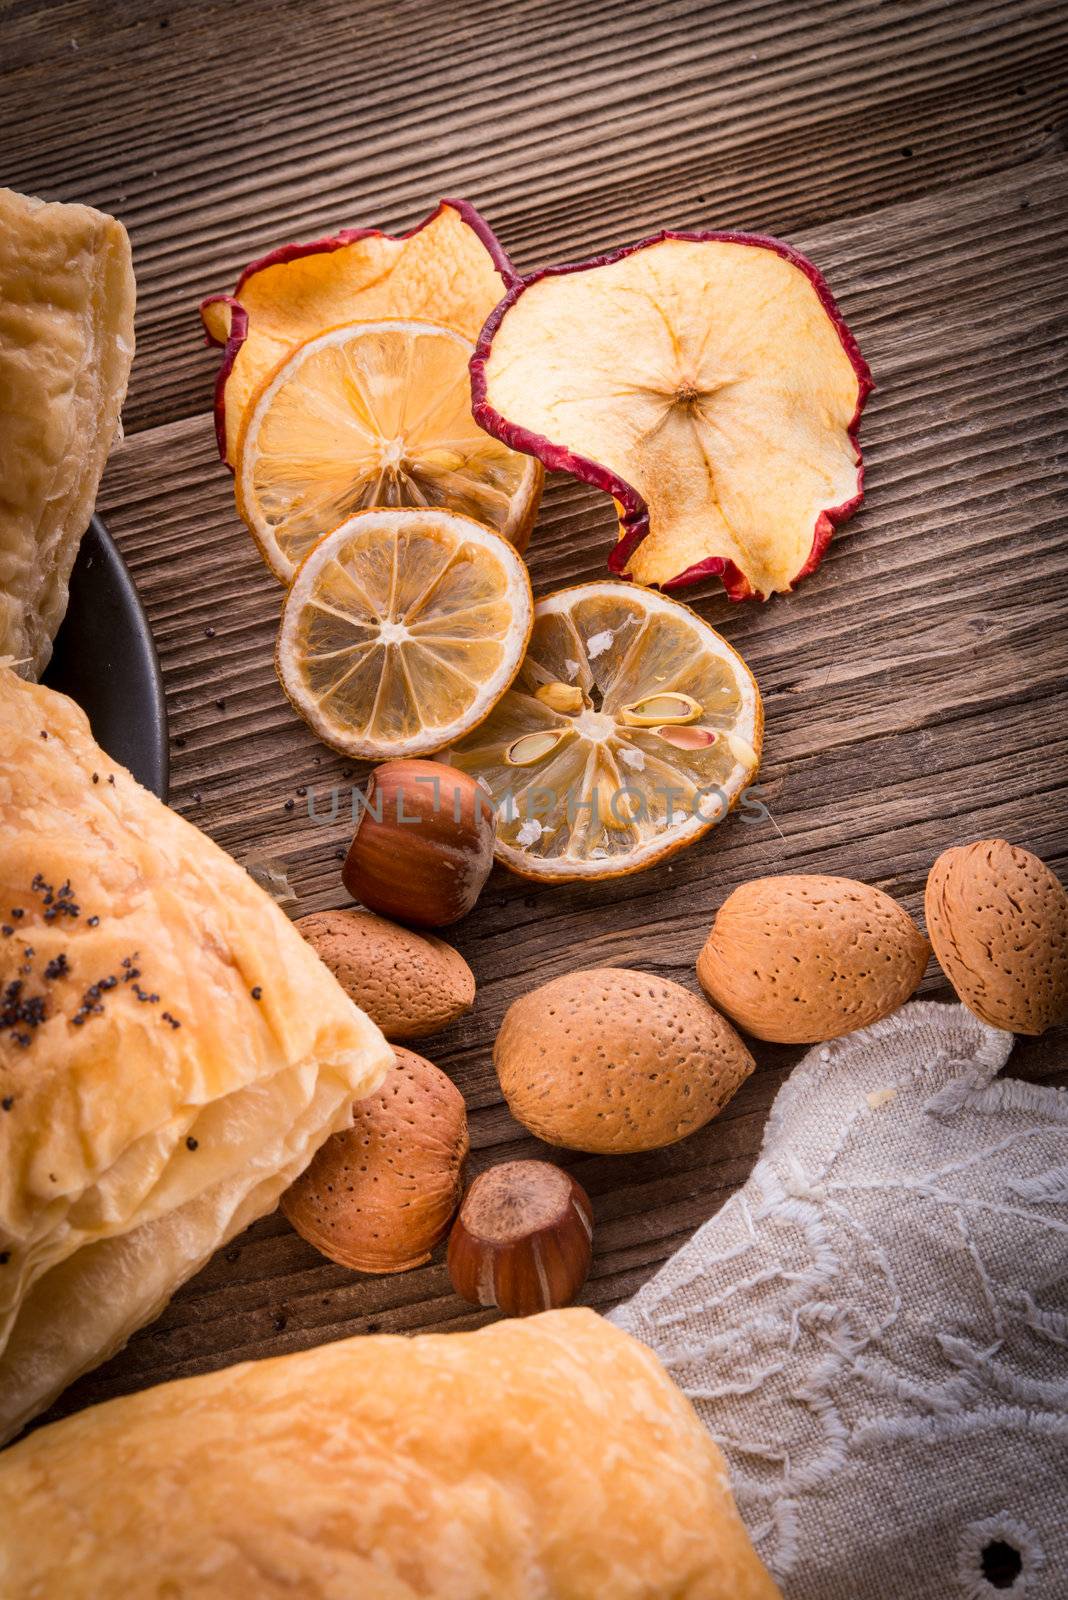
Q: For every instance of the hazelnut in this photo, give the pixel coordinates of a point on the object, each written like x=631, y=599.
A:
x=423, y=845
x=523, y=1239
x=380, y=1195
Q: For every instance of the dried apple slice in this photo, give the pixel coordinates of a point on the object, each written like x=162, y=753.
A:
x=449, y=268
x=708, y=382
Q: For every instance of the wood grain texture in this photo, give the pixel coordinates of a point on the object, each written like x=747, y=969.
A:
x=915, y=687
x=218, y=133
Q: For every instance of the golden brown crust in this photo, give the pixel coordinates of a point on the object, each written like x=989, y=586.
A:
x=380, y=1195
x=411, y=984
x=611, y=1060
x=171, y=1057
x=801, y=958
x=998, y=921
x=545, y=1456
x=66, y=343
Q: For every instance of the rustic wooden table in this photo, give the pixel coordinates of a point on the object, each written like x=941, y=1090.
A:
x=915, y=687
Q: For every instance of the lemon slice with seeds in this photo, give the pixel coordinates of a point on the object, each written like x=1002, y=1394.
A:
x=373, y=414
x=401, y=631
x=631, y=729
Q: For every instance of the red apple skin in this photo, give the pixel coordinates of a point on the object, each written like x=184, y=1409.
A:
x=293, y=252
x=633, y=510
x=237, y=336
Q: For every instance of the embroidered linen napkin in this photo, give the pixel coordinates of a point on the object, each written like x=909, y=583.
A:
x=875, y=1327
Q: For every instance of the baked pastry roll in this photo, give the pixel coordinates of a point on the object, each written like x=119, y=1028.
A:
x=172, y=1052
x=545, y=1457
x=66, y=343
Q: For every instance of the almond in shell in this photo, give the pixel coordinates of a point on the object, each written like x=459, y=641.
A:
x=798, y=959
x=998, y=920
x=380, y=1195
x=411, y=984
x=611, y=1060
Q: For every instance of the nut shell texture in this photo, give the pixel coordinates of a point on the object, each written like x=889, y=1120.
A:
x=423, y=847
x=803, y=958
x=610, y=1060
x=380, y=1195
x=523, y=1240
x=998, y=920
x=411, y=984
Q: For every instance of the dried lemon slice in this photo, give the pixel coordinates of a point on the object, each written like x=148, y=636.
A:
x=402, y=629
x=666, y=737
x=449, y=267
x=373, y=414
x=708, y=382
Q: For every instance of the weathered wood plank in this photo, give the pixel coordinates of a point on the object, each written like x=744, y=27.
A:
x=916, y=697
x=218, y=134
x=915, y=687
x=950, y=567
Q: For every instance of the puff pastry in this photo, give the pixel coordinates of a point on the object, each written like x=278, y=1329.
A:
x=172, y=1052
x=544, y=1459
x=66, y=344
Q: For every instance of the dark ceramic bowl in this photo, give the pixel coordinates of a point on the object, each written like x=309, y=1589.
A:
x=104, y=658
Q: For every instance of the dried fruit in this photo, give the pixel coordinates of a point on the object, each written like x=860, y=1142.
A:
x=998, y=920
x=423, y=845
x=411, y=984
x=599, y=792
x=449, y=268
x=610, y=1061
x=652, y=709
x=560, y=696
x=523, y=1239
x=380, y=1195
x=373, y=414
x=401, y=631
x=532, y=747
x=803, y=958
x=689, y=738
x=706, y=381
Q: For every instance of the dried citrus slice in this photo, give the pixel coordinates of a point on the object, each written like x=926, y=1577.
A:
x=450, y=268
x=630, y=730
x=708, y=382
x=401, y=630
x=373, y=414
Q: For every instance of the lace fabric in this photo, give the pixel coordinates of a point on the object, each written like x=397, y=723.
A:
x=875, y=1327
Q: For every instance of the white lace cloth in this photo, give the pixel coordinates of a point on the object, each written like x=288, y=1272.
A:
x=875, y=1328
